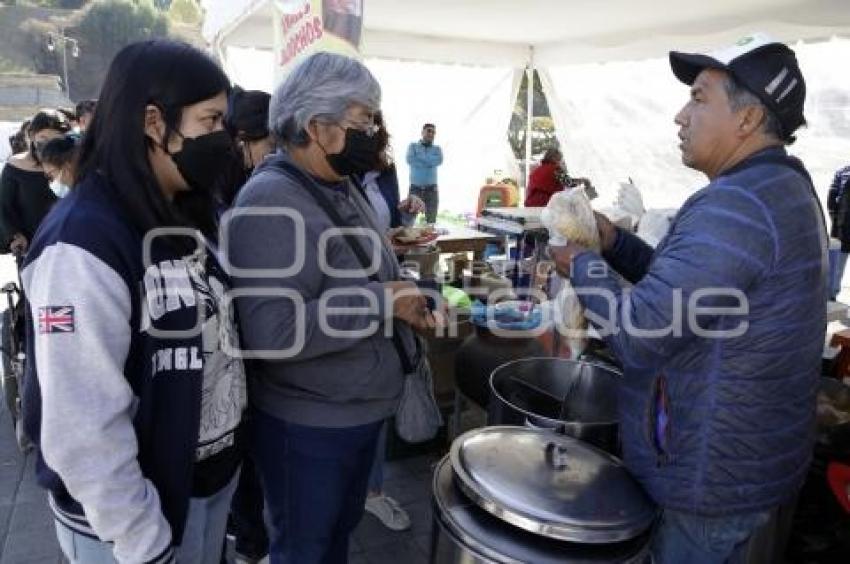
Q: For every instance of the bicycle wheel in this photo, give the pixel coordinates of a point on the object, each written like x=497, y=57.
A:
x=9, y=378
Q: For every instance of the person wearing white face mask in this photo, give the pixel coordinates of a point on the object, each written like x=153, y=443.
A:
x=57, y=160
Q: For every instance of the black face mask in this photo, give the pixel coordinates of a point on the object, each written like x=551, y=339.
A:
x=204, y=159
x=360, y=154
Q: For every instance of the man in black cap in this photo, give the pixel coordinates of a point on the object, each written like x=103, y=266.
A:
x=721, y=335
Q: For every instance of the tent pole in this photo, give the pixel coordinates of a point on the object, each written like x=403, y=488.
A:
x=529, y=116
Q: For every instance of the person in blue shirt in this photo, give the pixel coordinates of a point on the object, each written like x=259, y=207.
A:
x=721, y=334
x=424, y=157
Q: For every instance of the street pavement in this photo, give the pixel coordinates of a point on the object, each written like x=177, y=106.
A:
x=26, y=527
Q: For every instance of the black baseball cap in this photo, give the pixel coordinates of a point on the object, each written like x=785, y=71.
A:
x=765, y=67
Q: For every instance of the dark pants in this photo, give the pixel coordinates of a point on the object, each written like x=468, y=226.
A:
x=246, y=514
x=431, y=197
x=682, y=537
x=315, y=482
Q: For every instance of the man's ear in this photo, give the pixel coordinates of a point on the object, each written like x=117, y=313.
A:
x=751, y=120
x=155, y=125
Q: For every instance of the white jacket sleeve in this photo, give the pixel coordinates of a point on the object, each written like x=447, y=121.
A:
x=81, y=311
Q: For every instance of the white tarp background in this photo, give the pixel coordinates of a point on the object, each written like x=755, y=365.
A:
x=825, y=145
x=252, y=69
x=615, y=120
x=470, y=107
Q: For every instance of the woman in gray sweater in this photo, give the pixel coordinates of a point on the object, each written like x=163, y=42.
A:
x=326, y=372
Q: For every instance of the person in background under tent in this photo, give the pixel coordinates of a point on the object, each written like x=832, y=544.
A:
x=424, y=157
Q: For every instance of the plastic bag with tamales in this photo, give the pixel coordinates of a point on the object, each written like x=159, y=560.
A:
x=569, y=219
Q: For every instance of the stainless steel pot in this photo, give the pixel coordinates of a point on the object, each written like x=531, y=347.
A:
x=576, y=398
x=513, y=494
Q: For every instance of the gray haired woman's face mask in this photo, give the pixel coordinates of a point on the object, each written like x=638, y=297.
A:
x=359, y=155
x=350, y=146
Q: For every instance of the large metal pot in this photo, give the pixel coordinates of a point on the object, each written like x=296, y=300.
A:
x=484, y=351
x=576, y=398
x=513, y=494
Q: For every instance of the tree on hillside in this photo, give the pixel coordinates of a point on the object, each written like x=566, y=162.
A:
x=185, y=11
x=542, y=126
x=63, y=4
x=101, y=28
x=112, y=24
x=106, y=27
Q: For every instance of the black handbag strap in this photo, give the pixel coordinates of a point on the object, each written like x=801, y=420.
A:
x=317, y=192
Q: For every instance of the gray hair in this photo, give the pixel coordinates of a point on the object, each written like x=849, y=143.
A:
x=740, y=97
x=323, y=85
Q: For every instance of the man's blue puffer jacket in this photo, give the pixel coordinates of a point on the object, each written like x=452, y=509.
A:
x=710, y=425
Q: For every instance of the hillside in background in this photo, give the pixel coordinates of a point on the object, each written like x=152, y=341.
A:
x=101, y=28
x=16, y=54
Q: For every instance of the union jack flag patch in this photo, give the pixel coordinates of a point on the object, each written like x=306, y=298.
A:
x=56, y=319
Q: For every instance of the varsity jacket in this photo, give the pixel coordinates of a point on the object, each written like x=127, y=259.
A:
x=112, y=395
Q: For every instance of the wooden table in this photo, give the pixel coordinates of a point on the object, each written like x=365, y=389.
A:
x=463, y=240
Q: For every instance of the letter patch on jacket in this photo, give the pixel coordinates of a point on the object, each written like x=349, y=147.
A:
x=56, y=319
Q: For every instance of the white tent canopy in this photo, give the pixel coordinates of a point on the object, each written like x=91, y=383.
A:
x=511, y=33
x=614, y=114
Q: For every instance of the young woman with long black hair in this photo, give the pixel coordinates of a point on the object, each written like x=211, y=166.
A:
x=131, y=398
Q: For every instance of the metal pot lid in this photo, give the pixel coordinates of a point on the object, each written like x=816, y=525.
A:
x=551, y=484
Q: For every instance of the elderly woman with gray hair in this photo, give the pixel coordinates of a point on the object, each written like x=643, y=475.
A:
x=326, y=374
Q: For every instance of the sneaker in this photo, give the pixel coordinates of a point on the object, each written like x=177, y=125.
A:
x=388, y=512
x=243, y=559
x=246, y=559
